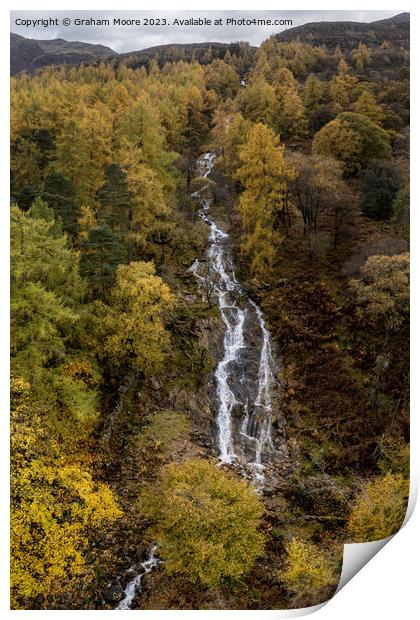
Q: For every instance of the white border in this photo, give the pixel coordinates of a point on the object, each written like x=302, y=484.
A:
x=387, y=586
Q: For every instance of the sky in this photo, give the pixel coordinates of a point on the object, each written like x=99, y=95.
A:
x=130, y=38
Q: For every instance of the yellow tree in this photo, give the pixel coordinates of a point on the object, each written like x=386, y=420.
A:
x=367, y=105
x=308, y=570
x=264, y=174
x=354, y=140
x=290, y=118
x=361, y=56
x=96, y=128
x=55, y=506
x=142, y=127
x=262, y=67
x=233, y=132
x=222, y=78
x=341, y=86
x=25, y=162
x=257, y=101
x=135, y=326
x=72, y=158
x=205, y=521
x=150, y=224
x=379, y=509
x=314, y=92
x=382, y=293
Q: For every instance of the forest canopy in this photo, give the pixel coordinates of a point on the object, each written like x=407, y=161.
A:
x=115, y=341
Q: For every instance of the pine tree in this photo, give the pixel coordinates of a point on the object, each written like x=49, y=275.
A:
x=115, y=200
x=102, y=252
x=59, y=193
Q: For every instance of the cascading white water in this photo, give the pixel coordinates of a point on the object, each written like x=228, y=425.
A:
x=253, y=438
x=133, y=587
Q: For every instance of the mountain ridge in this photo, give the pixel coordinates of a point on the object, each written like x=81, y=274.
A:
x=31, y=54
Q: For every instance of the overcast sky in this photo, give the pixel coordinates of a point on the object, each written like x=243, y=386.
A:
x=131, y=38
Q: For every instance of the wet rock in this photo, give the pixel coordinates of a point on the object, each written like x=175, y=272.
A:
x=141, y=551
x=113, y=593
x=155, y=384
x=128, y=576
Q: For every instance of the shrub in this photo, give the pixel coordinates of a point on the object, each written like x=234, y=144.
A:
x=354, y=140
x=379, y=509
x=308, y=570
x=205, y=522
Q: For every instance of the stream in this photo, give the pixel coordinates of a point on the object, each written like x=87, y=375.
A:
x=245, y=376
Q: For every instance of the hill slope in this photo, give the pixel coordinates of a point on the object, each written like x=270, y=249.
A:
x=348, y=35
x=29, y=54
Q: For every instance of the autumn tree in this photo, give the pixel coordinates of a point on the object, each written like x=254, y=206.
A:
x=382, y=300
x=289, y=117
x=222, y=78
x=233, y=134
x=71, y=158
x=47, y=293
x=314, y=92
x=97, y=131
x=379, y=509
x=151, y=219
x=55, y=506
x=354, y=140
x=257, y=101
x=361, y=56
x=308, y=570
x=205, y=521
x=135, y=333
x=45, y=289
x=316, y=186
x=382, y=293
x=341, y=86
x=264, y=174
x=26, y=165
x=142, y=127
x=366, y=105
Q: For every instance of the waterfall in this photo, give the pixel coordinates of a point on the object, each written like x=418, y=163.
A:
x=133, y=587
x=245, y=333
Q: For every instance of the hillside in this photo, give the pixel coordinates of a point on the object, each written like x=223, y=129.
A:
x=347, y=35
x=202, y=52
x=29, y=54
